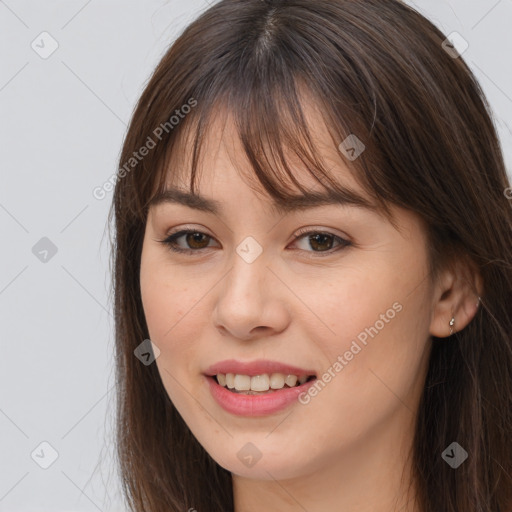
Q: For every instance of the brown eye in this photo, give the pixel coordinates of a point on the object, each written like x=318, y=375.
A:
x=195, y=241
x=320, y=242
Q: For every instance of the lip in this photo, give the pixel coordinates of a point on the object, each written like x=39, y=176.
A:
x=256, y=367
x=255, y=405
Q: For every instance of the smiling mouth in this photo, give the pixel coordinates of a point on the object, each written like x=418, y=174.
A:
x=260, y=384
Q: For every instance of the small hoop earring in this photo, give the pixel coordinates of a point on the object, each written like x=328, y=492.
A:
x=451, y=324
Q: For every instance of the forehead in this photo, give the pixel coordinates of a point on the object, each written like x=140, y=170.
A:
x=222, y=153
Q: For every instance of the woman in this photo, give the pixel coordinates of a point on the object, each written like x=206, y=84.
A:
x=313, y=269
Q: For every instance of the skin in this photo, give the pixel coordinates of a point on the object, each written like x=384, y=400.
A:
x=347, y=448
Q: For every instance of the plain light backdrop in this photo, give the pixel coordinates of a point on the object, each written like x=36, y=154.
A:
x=70, y=74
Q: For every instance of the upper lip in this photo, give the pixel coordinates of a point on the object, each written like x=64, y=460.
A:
x=256, y=367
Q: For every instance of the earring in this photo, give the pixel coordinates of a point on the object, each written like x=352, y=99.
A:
x=451, y=324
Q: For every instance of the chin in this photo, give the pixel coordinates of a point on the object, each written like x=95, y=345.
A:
x=246, y=459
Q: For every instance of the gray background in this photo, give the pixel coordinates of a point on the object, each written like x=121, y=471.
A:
x=62, y=123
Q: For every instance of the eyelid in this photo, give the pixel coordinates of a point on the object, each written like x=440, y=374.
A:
x=296, y=234
x=316, y=229
x=344, y=240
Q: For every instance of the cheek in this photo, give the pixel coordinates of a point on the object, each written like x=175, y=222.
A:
x=168, y=309
x=166, y=299
x=176, y=311
x=160, y=306
x=376, y=317
x=171, y=310
x=343, y=303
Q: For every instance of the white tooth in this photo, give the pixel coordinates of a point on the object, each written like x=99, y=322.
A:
x=276, y=380
x=291, y=380
x=230, y=380
x=260, y=382
x=242, y=382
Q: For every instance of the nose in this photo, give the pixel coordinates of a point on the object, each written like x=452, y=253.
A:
x=251, y=301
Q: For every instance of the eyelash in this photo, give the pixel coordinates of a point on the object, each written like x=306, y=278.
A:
x=170, y=242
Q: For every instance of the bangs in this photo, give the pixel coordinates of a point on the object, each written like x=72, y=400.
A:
x=272, y=119
x=267, y=78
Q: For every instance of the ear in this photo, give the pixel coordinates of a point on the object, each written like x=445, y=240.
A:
x=457, y=295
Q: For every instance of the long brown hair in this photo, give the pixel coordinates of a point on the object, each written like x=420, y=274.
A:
x=379, y=70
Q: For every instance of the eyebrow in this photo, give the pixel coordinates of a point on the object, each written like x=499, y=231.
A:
x=343, y=196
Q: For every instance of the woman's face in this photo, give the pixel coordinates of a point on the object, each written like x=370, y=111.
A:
x=256, y=287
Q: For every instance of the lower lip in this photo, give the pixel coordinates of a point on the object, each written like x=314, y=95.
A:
x=255, y=405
